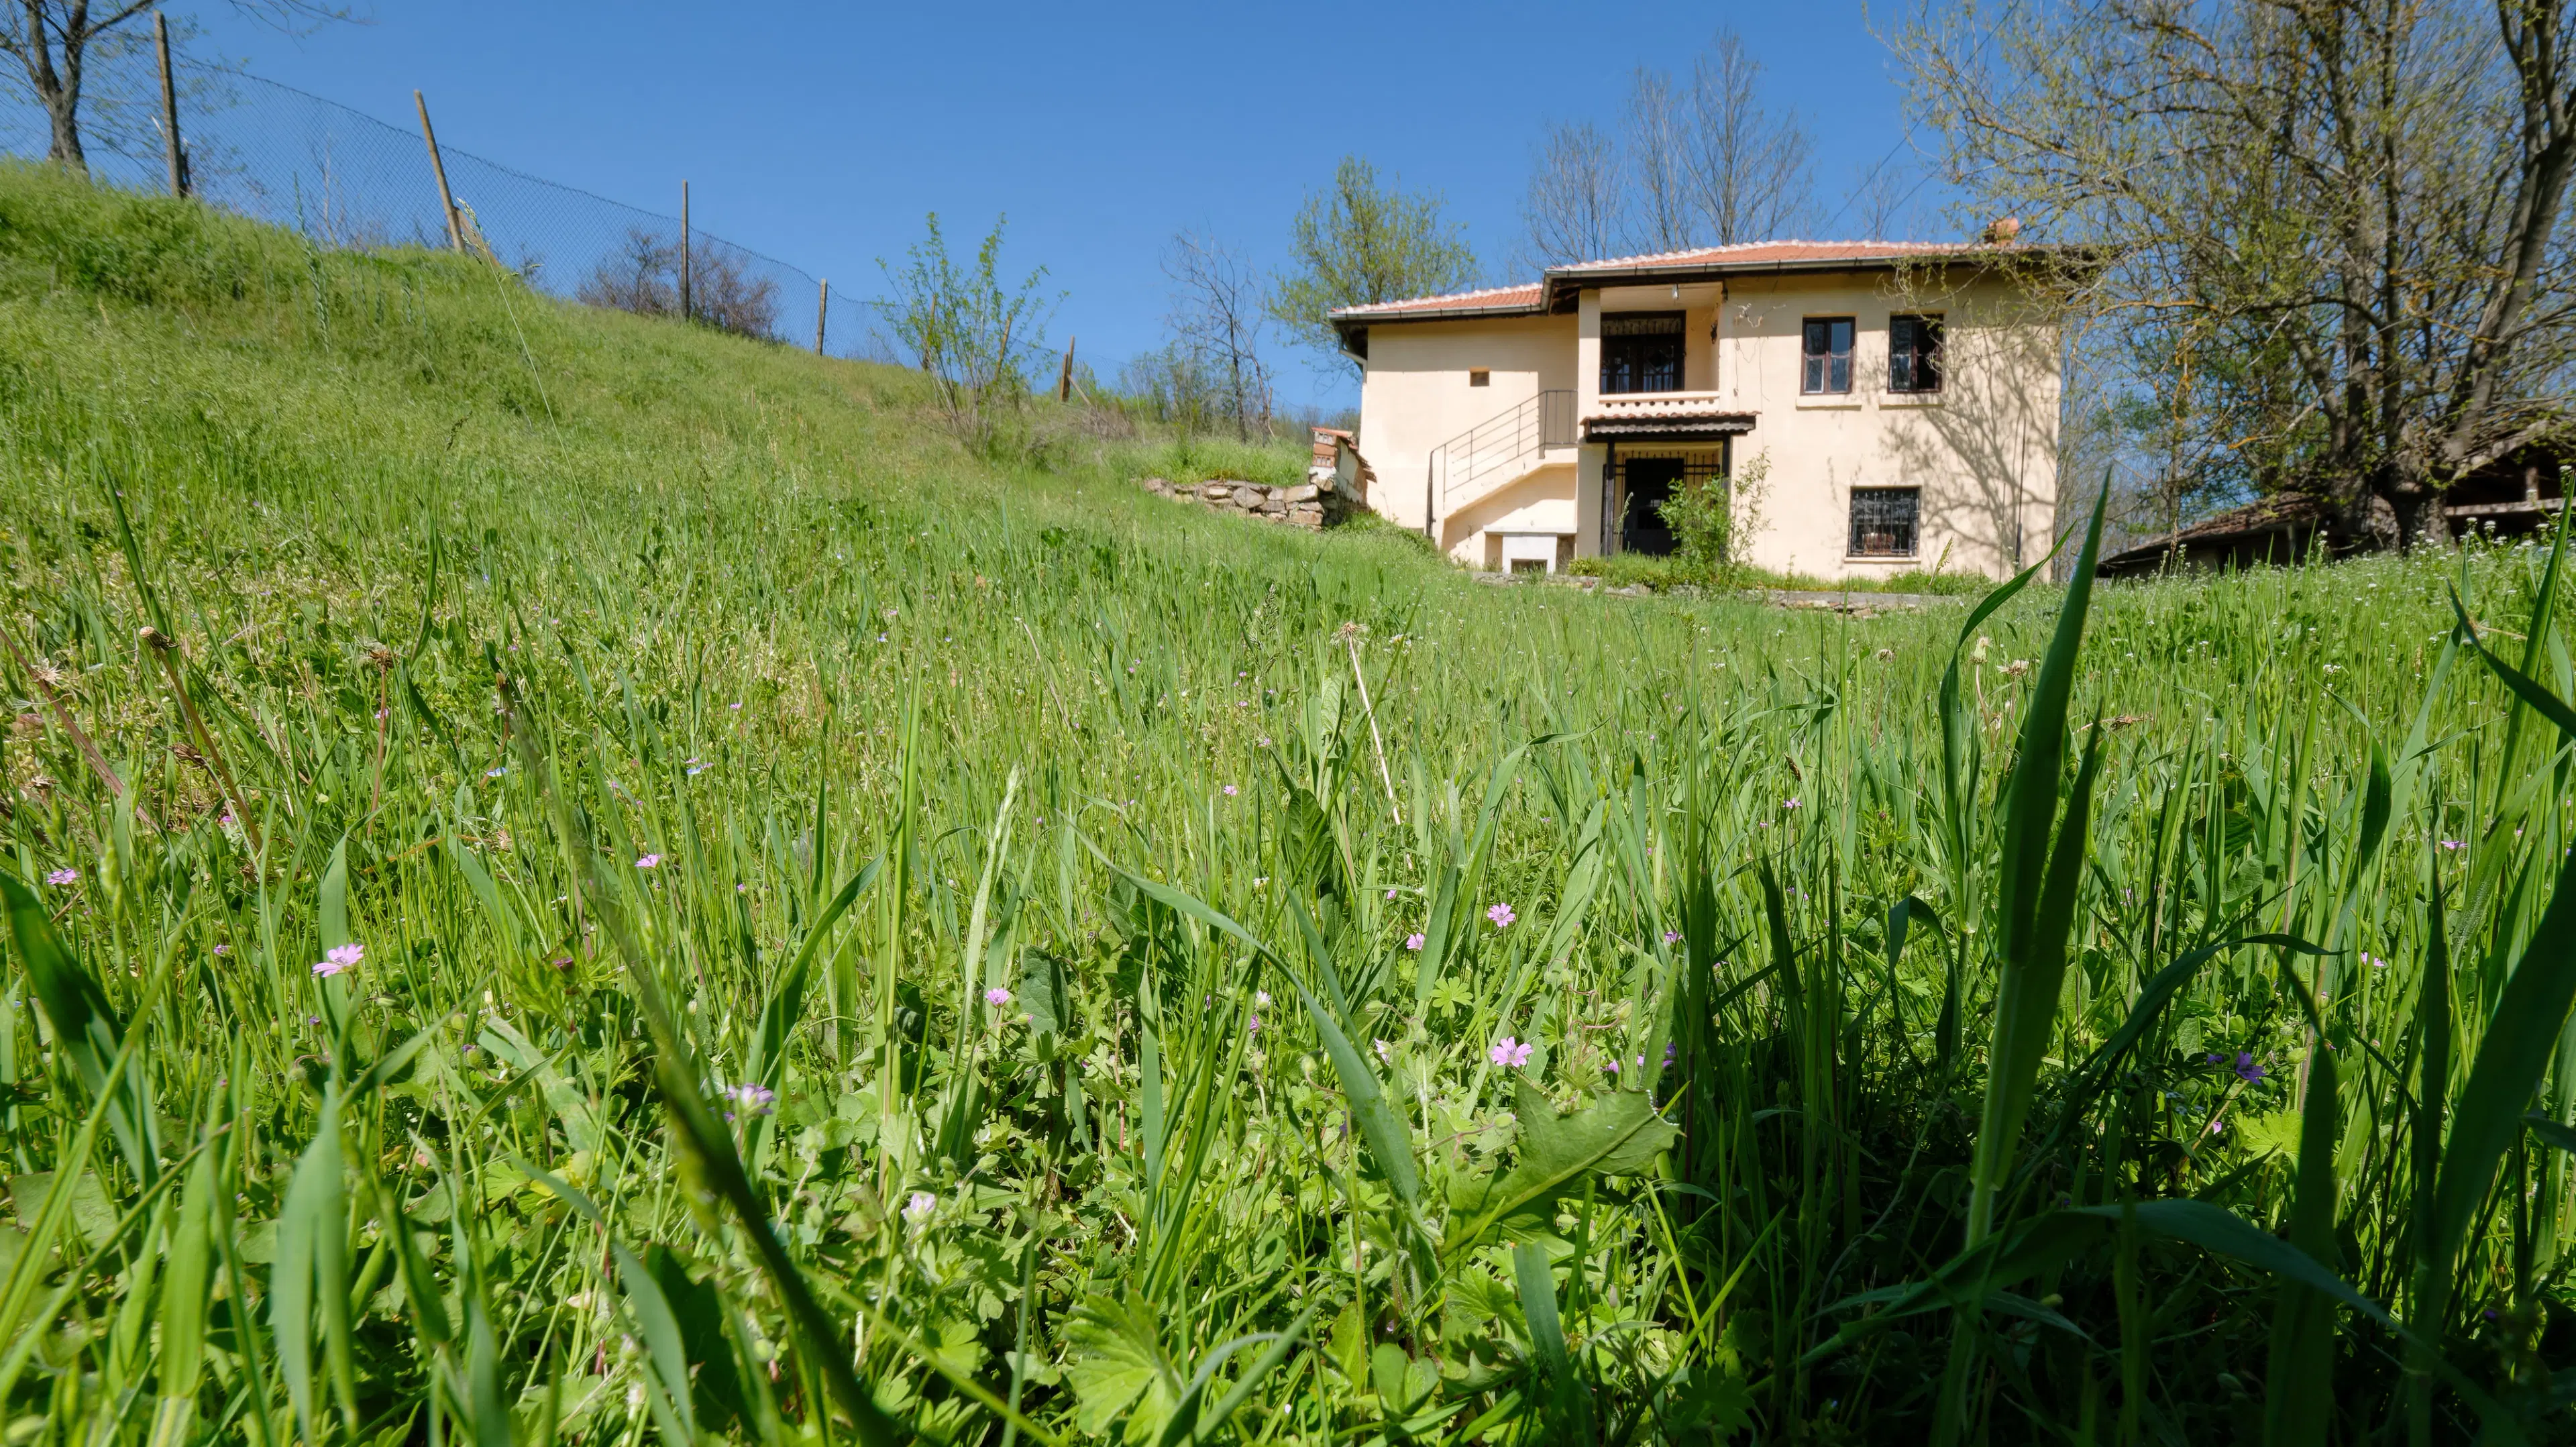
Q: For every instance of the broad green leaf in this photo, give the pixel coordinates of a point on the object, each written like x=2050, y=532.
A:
x=1617, y=1134
x=1118, y=1358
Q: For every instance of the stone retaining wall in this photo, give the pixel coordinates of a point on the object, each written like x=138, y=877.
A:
x=1314, y=504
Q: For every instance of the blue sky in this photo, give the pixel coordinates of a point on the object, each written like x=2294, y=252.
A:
x=820, y=134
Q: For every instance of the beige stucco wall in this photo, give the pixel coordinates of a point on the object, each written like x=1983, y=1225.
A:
x=1414, y=395
x=1983, y=450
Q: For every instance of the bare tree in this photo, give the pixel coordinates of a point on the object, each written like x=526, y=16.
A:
x=57, y=44
x=1574, y=208
x=1881, y=199
x=1218, y=315
x=643, y=276
x=2329, y=240
x=1660, y=214
x=1747, y=167
x=1700, y=160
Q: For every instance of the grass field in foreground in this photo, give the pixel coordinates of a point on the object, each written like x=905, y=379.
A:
x=634, y=893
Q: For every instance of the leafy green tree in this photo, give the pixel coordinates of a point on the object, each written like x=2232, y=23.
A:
x=1359, y=241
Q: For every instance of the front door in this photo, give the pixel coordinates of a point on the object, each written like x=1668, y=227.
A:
x=1650, y=482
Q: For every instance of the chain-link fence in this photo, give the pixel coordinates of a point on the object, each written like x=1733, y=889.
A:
x=347, y=179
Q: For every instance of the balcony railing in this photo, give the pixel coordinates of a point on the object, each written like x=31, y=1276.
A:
x=1494, y=452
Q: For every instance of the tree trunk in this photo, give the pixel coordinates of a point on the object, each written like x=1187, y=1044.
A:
x=2414, y=510
x=66, y=148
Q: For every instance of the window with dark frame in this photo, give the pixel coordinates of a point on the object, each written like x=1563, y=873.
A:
x=1883, y=521
x=1828, y=356
x=1479, y=377
x=1641, y=352
x=1914, y=354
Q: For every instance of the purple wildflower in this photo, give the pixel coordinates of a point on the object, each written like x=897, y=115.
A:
x=920, y=1206
x=649, y=861
x=997, y=996
x=2246, y=1069
x=1229, y=791
x=63, y=876
x=1385, y=1052
x=338, y=958
x=1501, y=915
x=751, y=1096
x=1672, y=937
x=1413, y=941
x=1510, y=1053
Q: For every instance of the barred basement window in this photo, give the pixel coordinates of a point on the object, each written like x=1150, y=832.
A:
x=1882, y=521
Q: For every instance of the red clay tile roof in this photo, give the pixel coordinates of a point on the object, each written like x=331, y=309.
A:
x=1745, y=256
x=1767, y=253
x=1491, y=299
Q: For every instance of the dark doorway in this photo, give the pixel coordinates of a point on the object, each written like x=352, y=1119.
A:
x=1650, y=481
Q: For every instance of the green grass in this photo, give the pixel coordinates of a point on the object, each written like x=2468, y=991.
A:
x=480, y=602
x=1666, y=573
x=1205, y=459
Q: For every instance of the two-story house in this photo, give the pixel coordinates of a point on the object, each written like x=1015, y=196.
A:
x=1902, y=398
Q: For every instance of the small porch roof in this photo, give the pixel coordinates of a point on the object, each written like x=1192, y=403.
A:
x=1663, y=417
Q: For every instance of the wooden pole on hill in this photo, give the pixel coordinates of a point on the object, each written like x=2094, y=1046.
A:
x=822, y=311
x=684, y=251
x=170, y=108
x=1064, y=379
x=438, y=168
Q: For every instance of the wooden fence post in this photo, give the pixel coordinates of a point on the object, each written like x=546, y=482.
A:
x=686, y=311
x=822, y=312
x=170, y=107
x=438, y=168
x=1064, y=379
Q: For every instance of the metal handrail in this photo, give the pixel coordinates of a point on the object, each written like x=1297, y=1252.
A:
x=1503, y=441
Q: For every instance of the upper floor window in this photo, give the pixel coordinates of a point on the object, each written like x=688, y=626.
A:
x=1641, y=352
x=1914, y=354
x=1828, y=355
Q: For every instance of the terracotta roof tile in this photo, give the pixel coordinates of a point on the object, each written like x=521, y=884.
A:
x=1492, y=298
x=1746, y=254
x=1759, y=253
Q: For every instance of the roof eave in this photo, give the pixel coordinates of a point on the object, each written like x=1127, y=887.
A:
x=1358, y=318
x=1558, y=286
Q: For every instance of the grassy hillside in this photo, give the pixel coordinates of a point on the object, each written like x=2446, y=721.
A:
x=648, y=895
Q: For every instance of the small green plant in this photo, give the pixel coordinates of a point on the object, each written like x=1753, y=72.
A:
x=977, y=336
x=1711, y=516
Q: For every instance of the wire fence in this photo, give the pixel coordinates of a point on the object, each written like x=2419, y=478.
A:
x=346, y=179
